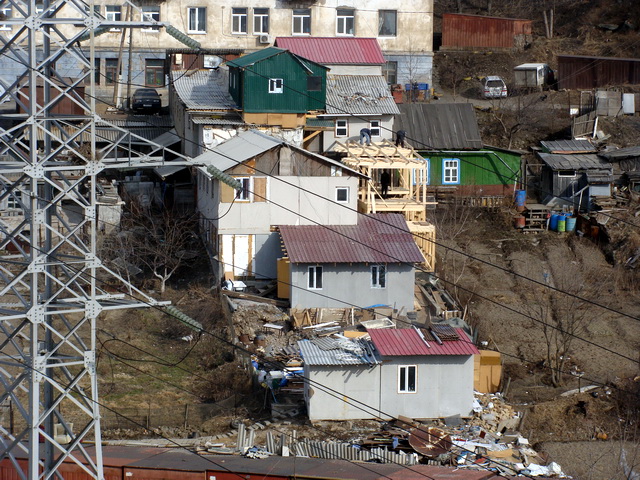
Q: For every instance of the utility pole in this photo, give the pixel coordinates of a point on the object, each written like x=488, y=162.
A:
x=52, y=290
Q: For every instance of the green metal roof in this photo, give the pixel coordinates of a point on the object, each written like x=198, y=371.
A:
x=255, y=57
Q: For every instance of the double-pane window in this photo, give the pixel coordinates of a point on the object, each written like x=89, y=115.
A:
x=450, y=170
x=346, y=21
x=314, y=278
x=342, y=128
x=113, y=13
x=276, y=85
x=239, y=20
x=387, y=23
x=407, y=381
x=302, y=21
x=261, y=21
x=197, y=20
x=151, y=13
x=378, y=276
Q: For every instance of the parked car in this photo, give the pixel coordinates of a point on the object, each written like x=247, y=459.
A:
x=145, y=100
x=493, y=87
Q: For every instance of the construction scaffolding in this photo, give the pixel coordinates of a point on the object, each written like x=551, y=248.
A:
x=407, y=193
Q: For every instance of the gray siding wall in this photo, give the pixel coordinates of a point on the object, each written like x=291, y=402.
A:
x=444, y=387
x=346, y=285
x=325, y=393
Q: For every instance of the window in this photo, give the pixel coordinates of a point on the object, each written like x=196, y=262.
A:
x=260, y=20
x=96, y=71
x=302, y=21
x=567, y=173
x=150, y=13
x=387, y=23
x=314, y=84
x=336, y=171
x=244, y=194
x=114, y=14
x=111, y=70
x=450, y=170
x=239, y=20
x=96, y=9
x=421, y=177
x=315, y=278
x=378, y=276
x=154, y=72
x=276, y=85
x=346, y=21
x=12, y=200
x=342, y=194
x=407, y=378
x=390, y=72
x=342, y=128
x=374, y=126
x=6, y=13
x=197, y=20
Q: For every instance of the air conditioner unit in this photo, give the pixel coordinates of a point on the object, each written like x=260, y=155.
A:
x=264, y=39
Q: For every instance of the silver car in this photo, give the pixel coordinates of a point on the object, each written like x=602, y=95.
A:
x=493, y=87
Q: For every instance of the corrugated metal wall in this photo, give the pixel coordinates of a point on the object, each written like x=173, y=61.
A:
x=575, y=72
x=462, y=31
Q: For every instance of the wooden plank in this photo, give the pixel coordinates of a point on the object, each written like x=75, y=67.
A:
x=256, y=298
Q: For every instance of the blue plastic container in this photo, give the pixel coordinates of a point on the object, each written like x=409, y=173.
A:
x=553, y=221
x=521, y=198
x=571, y=224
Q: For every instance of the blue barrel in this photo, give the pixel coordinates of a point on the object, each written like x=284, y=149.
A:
x=521, y=198
x=571, y=224
x=423, y=86
x=553, y=221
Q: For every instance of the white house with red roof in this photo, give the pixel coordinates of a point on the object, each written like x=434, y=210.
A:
x=372, y=262
x=417, y=373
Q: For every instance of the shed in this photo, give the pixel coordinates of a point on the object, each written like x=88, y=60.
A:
x=409, y=372
x=274, y=81
x=461, y=31
x=572, y=180
x=587, y=72
x=370, y=263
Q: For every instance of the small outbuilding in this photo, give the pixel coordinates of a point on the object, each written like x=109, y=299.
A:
x=410, y=372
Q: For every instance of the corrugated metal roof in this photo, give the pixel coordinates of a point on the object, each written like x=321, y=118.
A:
x=254, y=57
x=204, y=89
x=377, y=238
x=362, y=352
x=407, y=342
x=250, y=143
x=568, y=146
x=335, y=50
x=439, y=126
x=236, y=120
x=558, y=161
x=140, y=121
x=359, y=95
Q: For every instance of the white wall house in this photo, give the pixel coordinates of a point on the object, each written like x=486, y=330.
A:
x=281, y=185
x=396, y=373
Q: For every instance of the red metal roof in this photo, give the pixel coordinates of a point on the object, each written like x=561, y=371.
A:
x=334, y=50
x=407, y=341
x=377, y=238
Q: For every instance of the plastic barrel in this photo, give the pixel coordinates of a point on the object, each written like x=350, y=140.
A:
x=521, y=199
x=562, y=223
x=519, y=221
x=553, y=221
x=571, y=224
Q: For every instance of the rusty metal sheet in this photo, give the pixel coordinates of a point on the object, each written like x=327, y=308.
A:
x=430, y=441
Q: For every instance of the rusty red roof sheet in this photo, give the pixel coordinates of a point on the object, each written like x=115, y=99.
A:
x=334, y=50
x=377, y=238
x=407, y=341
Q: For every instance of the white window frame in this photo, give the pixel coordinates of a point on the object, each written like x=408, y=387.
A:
x=376, y=129
x=336, y=171
x=343, y=20
x=246, y=194
x=237, y=15
x=418, y=173
x=341, y=189
x=450, y=171
x=342, y=123
x=276, y=85
x=313, y=273
x=113, y=15
x=403, y=374
x=299, y=20
x=7, y=11
x=258, y=21
x=395, y=27
x=560, y=174
x=379, y=276
x=192, y=28
x=153, y=14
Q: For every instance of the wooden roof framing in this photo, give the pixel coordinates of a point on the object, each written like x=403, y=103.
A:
x=379, y=155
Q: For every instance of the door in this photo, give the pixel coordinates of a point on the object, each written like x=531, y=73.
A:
x=237, y=255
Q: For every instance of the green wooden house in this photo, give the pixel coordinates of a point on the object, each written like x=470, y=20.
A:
x=276, y=87
x=448, y=138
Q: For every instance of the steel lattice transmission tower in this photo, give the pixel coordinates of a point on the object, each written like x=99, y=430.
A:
x=51, y=279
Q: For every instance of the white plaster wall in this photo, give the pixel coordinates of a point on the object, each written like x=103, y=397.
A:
x=355, y=124
x=444, y=388
x=336, y=400
x=347, y=285
x=302, y=207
